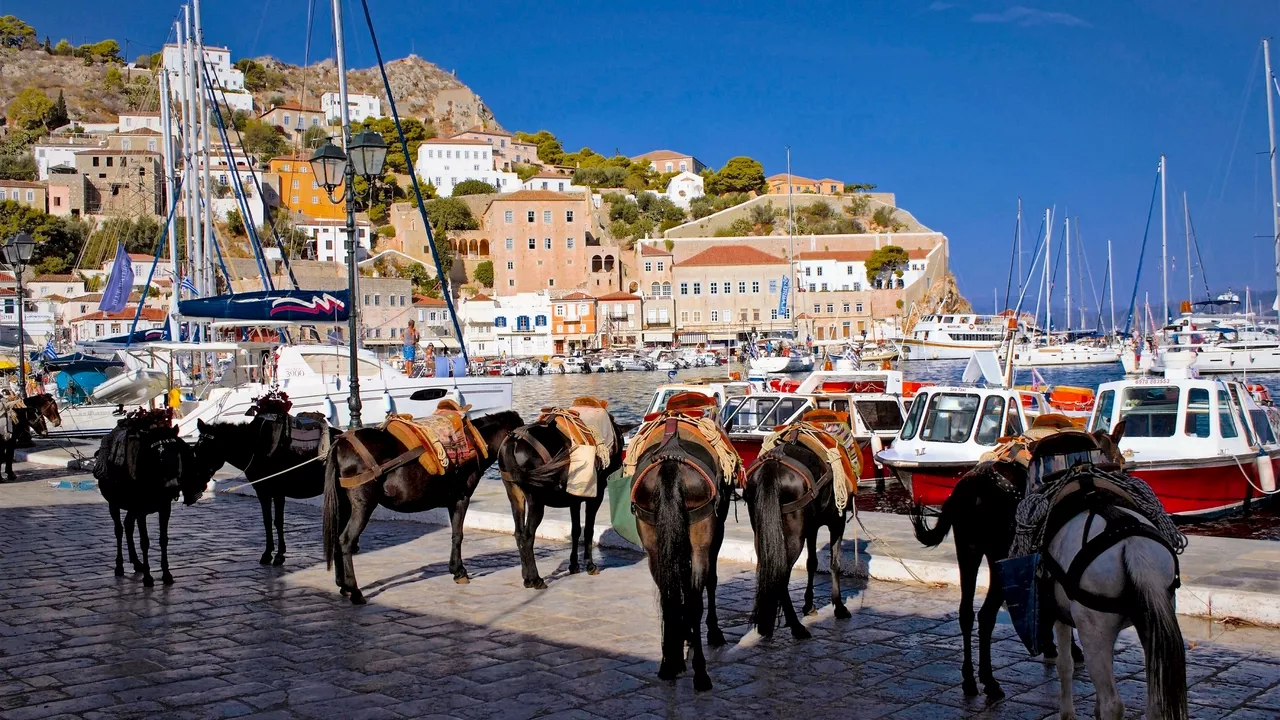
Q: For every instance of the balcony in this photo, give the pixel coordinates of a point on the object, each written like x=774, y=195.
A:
x=618, y=315
x=657, y=324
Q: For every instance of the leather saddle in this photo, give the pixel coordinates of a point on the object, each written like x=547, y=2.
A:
x=444, y=439
x=681, y=441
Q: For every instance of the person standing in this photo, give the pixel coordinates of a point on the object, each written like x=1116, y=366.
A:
x=410, y=347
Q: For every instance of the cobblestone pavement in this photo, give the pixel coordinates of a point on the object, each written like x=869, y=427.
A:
x=233, y=638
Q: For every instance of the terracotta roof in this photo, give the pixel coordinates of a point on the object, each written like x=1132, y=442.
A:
x=482, y=298
x=619, y=296
x=150, y=314
x=67, y=277
x=795, y=179
x=579, y=295
x=854, y=255
x=652, y=250
x=832, y=180
x=134, y=296
x=7, y=277
x=451, y=141
x=538, y=195
x=145, y=256
x=290, y=158
x=662, y=155
x=139, y=131
x=732, y=255
x=478, y=129
x=21, y=184
x=425, y=301
x=290, y=106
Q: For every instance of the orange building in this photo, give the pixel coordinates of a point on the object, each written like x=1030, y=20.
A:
x=573, y=322
x=299, y=192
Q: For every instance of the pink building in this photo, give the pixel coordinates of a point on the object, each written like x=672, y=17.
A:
x=542, y=240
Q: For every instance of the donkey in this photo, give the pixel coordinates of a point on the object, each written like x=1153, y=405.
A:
x=402, y=487
x=262, y=449
x=535, y=470
x=790, y=495
x=158, y=466
x=680, y=507
x=35, y=412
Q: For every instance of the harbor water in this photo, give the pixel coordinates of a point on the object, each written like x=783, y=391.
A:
x=629, y=393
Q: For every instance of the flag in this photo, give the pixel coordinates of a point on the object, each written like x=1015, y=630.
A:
x=50, y=353
x=1037, y=380
x=189, y=286
x=120, y=283
x=782, y=295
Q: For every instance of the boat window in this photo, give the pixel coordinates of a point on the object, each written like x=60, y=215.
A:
x=326, y=364
x=1262, y=426
x=1226, y=421
x=1012, y=421
x=989, y=424
x=1197, y=420
x=913, y=417
x=1239, y=404
x=1150, y=411
x=948, y=319
x=749, y=413
x=783, y=412
x=879, y=415
x=950, y=418
x=729, y=408
x=1102, y=418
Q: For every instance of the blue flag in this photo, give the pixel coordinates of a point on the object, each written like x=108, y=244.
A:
x=50, y=353
x=782, y=295
x=116, y=295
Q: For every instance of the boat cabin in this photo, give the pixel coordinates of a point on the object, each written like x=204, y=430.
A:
x=720, y=390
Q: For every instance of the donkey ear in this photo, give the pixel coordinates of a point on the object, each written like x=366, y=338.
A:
x=253, y=410
x=1118, y=432
x=202, y=426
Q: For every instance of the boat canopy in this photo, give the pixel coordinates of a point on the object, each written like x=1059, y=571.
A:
x=265, y=305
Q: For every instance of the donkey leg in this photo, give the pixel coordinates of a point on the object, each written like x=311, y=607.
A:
x=129, y=520
x=278, y=499
x=715, y=637
x=968, y=560
x=520, y=502
x=145, y=543
x=1098, y=633
x=361, y=510
x=9, y=446
x=811, y=542
x=693, y=621
x=575, y=530
x=115, y=520
x=588, y=535
x=1066, y=705
x=533, y=518
x=986, y=624
x=165, y=576
x=264, y=502
x=458, y=514
x=837, y=542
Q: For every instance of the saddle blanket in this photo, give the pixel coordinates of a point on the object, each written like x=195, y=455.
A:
x=844, y=471
x=307, y=431
x=447, y=436
x=702, y=430
x=589, y=430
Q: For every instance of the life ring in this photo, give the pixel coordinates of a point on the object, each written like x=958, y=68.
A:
x=970, y=326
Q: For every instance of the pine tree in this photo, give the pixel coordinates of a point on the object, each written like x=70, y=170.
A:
x=48, y=48
x=58, y=113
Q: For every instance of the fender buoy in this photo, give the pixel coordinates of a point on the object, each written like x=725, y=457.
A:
x=970, y=326
x=1266, y=473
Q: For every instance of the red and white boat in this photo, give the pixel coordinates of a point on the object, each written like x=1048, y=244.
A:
x=1205, y=446
x=871, y=399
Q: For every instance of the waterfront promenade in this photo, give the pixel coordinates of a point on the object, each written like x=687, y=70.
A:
x=233, y=638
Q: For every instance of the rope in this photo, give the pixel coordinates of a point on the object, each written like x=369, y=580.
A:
x=282, y=472
x=1250, y=480
x=890, y=551
x=1128, y=323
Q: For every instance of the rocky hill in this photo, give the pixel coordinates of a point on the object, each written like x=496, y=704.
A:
x=90, y=97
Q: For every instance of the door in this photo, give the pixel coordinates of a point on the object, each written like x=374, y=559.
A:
x=821, y=333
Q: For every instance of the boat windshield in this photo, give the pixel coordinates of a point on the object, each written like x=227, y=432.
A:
x=1102, y=418
x=992, y=418
x=762, y=413
x=1150, y=411
x=913, y=417
x=880, y=415
x=1042, y=468
x=950, y=417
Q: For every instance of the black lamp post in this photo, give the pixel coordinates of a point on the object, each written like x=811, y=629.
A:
x=333, y=168
x=16, y=254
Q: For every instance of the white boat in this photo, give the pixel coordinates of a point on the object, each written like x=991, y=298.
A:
x=952, y=337
x=1216, y=350
x=574, y=364
x=633, y=362
x=1072, y=353
x=790, y=362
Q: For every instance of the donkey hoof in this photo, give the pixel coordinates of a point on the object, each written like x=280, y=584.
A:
x=970, y=687
x=167, y=579
x=994, y=692
x=842, y=613
x=670, y=670
x=279, y=560
x=536, y=584
x=148, y=581
x=574, y=569
x=701, y=682
x=357, y=598
x=800, y=632
x=808, y=610
x=139, y=567
x=119, y=571
x=462, y=580
x=265, y=559
x=715, y=638
x=592, y=569
x=11, y=478
x=344, y=592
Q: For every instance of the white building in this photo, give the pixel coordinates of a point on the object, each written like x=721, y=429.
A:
x=522, y=324
x=218, y=59
x=832, y=270
x=65, y=285
x=554, y=182
x=51, y=155
x=476, y=317
x=141, y=268
x=329, y=238
x=98, y=324
x=359, y=107
x=137, y=121
x=683, y=188
x=445, y=163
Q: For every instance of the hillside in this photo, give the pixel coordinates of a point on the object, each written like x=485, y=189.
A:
x=90, y=98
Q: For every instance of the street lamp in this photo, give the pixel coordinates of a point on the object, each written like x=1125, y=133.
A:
x=16, y=254
x=332, y=167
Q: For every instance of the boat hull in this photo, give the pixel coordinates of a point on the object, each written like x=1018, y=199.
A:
x=931, y=484
x=912, y=349
x=1201, y=490
x=772, y=364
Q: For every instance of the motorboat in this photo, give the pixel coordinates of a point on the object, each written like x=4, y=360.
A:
x=1204, y=445
x=1222, y=350
x=953, y=336
x=949, y=427
x=788, y=361
x=722, y=390
x=1070, y=353
x=634, y=362
x=574, y=364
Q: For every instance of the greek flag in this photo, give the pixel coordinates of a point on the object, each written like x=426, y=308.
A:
x=188, y=286
x=119, y=283
x=49, y=352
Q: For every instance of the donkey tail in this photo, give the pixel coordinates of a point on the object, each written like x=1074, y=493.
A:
x=675, y=561
x=1157, y=627
x=772, y=569
x=930, y=536
x=332, y=505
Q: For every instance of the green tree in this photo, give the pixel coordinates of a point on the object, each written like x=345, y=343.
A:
x=235, y=223
x=15, y=33
x=473, y=187
x=884, y=218
x=114, y=81
x=17, y=167
x=484, y=273
x=448, y=214
x=51, y=265
x=262, y=141
x=624, y=210
x=55, y=237
x=102, y=51
x=859, y=187
x=63, y=48
x=29, y=109
x=740, y=174
x=315, y=136
x=57, y=116
x=140, y=235
x=525, y=171
x=597, y=177
x=886, y=262
x=550, y=151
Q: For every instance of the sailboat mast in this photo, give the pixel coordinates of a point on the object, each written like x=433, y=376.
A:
x=185, y=137
x=1271, y=135
x=1067, y=234
x=1164, y=244
x=1019, y=249
x=171, y=198
x=1048, y=272
x=791, y=238
x=1186, y=222
x=1111, y=288
x=189, y=170
x=205, y=278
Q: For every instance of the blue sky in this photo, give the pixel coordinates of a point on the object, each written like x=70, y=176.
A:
x=957, y=107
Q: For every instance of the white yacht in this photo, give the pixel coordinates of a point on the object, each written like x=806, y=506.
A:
x=952, y=337
x=1071, y=353
x=1220, y=350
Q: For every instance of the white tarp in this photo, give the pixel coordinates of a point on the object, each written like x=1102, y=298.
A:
x=984, y=366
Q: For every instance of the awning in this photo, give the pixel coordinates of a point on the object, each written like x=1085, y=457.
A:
x=445, y=342
x=657, y=336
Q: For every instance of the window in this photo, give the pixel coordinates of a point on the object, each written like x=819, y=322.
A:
x=531, y=215
x=511, y=244
x=950, y=418
x=655, y=289
x=540, y=321
x=315, y=199
x=125, y=144
x=377, y=299
x=819, y=271
x=660, y=265
x=662, y=316
x=817, y=308
x=755, y=286
x=713, y=287
x=755, y=314
x=508, y=216
x=913, y=417
x=1102, y=418
x=511, y=265
x=522, y=323
x=697, y=316
x=684, y=166
x=684, y=288
x=668, y=167
x=857, y=307
x=1150, y=411
x=533, y=243
x=848, y=269
x=857, y=287
x=568, y=243
x=808, y=271
x=773, y=287
x=648, y=266
x=715, y=316
x=813, y=287
x=697, y=288
x=499, y=321
x=568, y=214
x=1226, y=421
x=95, y=160
x=773, y=314
x=546, y=216
x=547, y=243
x=844, y=308
x=666, y=289
x=991, y=420
x=824, y=287
x=830, y=308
